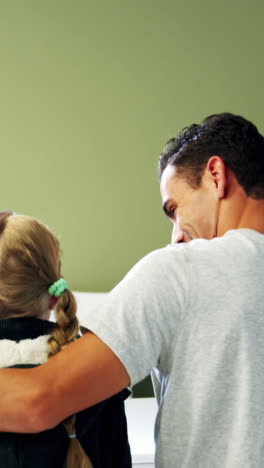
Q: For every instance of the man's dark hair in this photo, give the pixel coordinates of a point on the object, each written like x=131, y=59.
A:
x=233, y=138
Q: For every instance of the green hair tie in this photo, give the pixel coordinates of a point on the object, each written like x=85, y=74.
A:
x=57, y=288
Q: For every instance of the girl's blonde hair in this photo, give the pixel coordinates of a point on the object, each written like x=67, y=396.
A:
x=29, y=265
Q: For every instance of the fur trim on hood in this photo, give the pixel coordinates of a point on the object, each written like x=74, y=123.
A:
x=30, y=351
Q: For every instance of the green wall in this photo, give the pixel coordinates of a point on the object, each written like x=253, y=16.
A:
x=89, y=93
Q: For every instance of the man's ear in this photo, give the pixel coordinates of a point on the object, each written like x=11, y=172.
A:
x=217, y=171
x=52, y=302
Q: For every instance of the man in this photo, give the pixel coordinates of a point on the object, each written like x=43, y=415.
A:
x=191, y=312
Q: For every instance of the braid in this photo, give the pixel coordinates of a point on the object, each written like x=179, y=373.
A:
x=67, y=325
x=65, y=331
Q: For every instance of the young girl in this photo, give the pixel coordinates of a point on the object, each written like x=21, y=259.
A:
x=31, y=285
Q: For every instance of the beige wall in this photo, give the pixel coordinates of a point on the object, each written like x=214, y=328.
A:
x=89, y=93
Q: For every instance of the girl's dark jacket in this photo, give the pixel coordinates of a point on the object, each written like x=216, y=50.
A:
x=101, y=429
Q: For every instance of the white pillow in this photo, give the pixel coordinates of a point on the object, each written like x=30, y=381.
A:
x=85, y=302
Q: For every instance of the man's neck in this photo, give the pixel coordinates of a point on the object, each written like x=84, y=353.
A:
x=253, y=215
x=241, y=212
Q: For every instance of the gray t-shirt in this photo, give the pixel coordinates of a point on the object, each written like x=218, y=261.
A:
x=193, y=314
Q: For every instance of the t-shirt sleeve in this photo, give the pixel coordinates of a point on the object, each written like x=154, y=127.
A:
x=140, y=317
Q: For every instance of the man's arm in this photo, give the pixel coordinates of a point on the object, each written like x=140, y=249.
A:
x=82, y=374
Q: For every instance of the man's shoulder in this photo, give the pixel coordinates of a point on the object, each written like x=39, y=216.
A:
x=197, y=247
x=238, y=243
x=177, y=259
